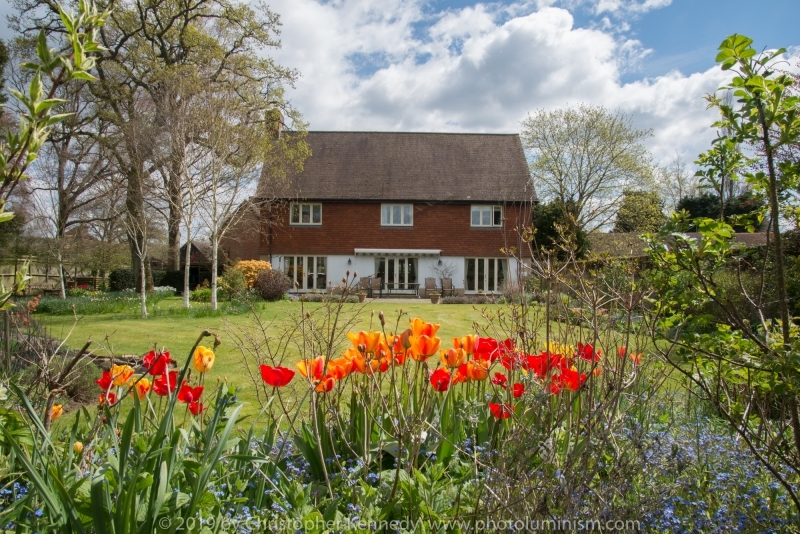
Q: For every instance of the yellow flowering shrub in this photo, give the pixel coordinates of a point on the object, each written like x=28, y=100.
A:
x=250, y=268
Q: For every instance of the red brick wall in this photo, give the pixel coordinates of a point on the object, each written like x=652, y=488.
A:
x=242, y=240
x=346, y=226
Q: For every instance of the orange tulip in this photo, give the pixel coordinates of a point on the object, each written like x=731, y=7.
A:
x=461, y=374
x=467, y=343
x=478, y=369
x=621, y=352
x=597, y=371
x=326, y=384
x=340, y=367
x=636, y=358
x=453, y=357
x=423, y=347
x=421, y=328
x=313, y=369
x=120, y=374
x=368, y=340
x=142, y=387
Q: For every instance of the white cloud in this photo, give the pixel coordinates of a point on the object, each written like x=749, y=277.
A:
x=390, y=65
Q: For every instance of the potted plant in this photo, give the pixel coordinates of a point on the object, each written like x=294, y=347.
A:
x=362, y=296
x=434, y=295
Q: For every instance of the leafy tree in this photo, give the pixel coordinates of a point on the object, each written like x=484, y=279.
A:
x=587, y=156
x=719, y=170
x=555, y=230
x=640, y=211
x=741, y=211
x=745, y=363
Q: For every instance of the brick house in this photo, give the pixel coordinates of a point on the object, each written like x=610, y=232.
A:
x=401, y=207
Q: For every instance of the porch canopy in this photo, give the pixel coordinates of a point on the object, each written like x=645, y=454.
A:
x=410, y=252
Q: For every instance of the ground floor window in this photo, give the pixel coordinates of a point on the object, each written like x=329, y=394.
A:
x=485, y=274
x=397, y=273
x=306, y=272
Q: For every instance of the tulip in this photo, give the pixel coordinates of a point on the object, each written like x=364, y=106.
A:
x=500, y=411
x=108, y=399
x=326, y=384
x=587, y=352
x=453, y=357
x=56, y=411
x=368, y=340
x=478, y=370
x=77, y=447
x=141, y=387
x=189, y=394
x=440, y=380
x=276, y=377
x=196, y=408
x=203, y=359
x=156, y=362
x=423, y=347
x=500, y=379
x=518, y=390
x=104, y=381
x=421, y=328
x=165, y=384
x=313, y=369
x=120, y=374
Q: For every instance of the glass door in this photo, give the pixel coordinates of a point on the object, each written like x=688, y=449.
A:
x=306, y=272
x=485, y=274
x=397, y=273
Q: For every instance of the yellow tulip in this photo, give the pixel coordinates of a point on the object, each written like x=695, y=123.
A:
x=77, y=447
x=56, y=411
x=121, y=374
x=203, y=359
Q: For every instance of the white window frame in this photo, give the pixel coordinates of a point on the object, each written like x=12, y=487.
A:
x=403, y=212
x=493, y=284
x=299, y=206
x=310, y=267
x=481, y=208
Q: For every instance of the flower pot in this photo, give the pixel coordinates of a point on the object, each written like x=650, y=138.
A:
x=362, y=297
x=434, y=298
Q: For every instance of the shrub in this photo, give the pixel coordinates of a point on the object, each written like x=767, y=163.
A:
x=469, y=299
x=121, y=279
x=251, y=268
x=272, y=285
x=158, y=276
x=202, y=294
x=172, y=279
x=233, y=282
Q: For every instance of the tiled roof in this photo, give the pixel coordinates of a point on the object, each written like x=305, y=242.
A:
x=390, y=166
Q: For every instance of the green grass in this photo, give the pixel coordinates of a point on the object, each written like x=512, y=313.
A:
x=177, y=330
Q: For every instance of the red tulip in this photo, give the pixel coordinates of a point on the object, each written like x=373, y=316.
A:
x=276, y=377
x=156, y=362
x=104, y=381
x=500, y=380
x=165, y=384
x=440, y=380
x=500, y=411
x=587, y=352
x=518, y=390
x=188, y=394
x=109, y=399
x=196, y=407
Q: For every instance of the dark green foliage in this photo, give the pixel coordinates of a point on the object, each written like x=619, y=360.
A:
x=640, y=211
x=272, y=284
x=556, y=230
x=707, y=205
x=3, y=64
x=158, y=277
x=172, y=279
x=121, y=279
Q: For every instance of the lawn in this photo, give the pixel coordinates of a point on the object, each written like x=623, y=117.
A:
x=169, y=328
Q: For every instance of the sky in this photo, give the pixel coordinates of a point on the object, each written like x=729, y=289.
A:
x=465, y=66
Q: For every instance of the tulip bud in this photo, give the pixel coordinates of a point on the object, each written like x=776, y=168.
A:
x=347, y=273
x=382, y=318
x=362, y=348
x=77, y=447
x=355, y=274
x=406, y=339
x=344, y=280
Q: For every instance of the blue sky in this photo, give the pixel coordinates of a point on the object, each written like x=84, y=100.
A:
x=457, y=65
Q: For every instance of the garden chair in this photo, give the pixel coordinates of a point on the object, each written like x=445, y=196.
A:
x=364, y=284
x=430, y=286
x=375, y=285
x=447, y=287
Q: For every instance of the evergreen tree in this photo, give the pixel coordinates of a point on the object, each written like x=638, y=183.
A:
x=640, y=211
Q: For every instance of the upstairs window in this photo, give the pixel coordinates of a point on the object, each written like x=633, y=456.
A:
x=397, y=215
x=487, y=216
x=305, y=213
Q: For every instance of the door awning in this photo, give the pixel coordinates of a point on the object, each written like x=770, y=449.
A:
x=411, y=252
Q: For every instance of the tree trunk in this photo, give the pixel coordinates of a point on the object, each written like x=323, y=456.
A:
x=62, y=288
x=214, y=247
x=174, y=217
x=186, y=289
x=143, y=286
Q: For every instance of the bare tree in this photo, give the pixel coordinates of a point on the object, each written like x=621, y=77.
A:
x=585, y=156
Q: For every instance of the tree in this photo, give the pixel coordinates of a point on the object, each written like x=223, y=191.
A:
x=719, y=170
x=3, y=65
x=51, y=70
x=556, y=232
x=742, y=210
x=674, y=182
x=162, y=54
x=586, y=156
x=640, y=211
x=744, y=362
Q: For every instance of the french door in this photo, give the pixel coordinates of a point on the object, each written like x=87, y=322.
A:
x=397, y=273
x=485, y=274
x=306, y=272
